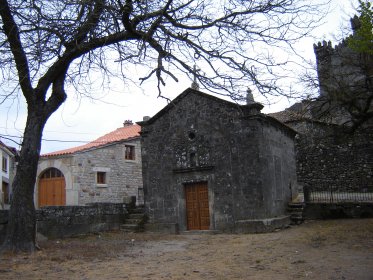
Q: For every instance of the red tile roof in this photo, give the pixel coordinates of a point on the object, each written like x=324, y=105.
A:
x=123, y=133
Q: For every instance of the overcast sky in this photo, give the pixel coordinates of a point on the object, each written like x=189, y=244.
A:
x=80, y=120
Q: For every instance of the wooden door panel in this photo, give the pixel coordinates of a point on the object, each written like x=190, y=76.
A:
x=197, y=206
x=40, y=193
x=204, y=207
x=59, y=191
x=192, y=208
x=52, y=191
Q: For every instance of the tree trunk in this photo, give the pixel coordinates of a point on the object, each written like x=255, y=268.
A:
x=21, y=230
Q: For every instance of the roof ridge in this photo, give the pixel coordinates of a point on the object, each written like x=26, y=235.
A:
x=119, y=134
x=181, y=96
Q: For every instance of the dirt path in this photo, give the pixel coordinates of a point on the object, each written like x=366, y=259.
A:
x=339, y=249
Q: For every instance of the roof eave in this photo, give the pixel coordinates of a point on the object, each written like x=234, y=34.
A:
x=90, y=148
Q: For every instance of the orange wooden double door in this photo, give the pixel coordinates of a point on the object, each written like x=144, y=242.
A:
x=197, y=206
x=52, y=190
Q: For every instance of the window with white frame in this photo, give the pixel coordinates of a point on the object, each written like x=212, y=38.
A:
x=5, y=164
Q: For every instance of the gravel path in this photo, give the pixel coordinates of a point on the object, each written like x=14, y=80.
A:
x=337, y=249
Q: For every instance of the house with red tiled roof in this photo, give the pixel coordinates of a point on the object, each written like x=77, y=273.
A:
x=107, y=169
x=7, y=171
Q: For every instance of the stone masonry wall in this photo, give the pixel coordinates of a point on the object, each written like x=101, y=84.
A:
x=66, y=221
x=123, y=177
x=3, y=223
x=328, y=158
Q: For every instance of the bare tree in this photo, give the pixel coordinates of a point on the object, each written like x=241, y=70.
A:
x=48, y=44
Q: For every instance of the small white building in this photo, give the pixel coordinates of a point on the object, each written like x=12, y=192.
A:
x=107, y=169
x=8, y=155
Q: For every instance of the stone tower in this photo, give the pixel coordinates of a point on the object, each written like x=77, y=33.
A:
x=343, y=74
x=339, y=68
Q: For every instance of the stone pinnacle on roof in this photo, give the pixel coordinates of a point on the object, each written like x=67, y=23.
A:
x=253, y=106
x=195, y=85
x=249, y=97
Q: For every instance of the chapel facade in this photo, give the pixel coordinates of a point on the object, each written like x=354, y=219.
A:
x=210, y=164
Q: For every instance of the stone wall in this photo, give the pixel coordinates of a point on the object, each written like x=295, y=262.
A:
x=338, y=211
x=66, y=221
x=3, y=222
x=329, y=158
x=123, y=177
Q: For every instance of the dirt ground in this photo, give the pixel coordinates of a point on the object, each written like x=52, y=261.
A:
x=337, y=249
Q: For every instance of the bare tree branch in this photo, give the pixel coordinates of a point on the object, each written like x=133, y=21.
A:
x=48, y=44
x=12, y=32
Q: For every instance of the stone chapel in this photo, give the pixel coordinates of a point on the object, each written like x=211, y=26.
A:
x=211, y=164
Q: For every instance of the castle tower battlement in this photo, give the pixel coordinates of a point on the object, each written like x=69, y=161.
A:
x=339, y=65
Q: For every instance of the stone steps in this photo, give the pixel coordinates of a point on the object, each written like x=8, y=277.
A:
x=138, y=210
x=138, y=216
x=135, y=220
x=295, y=210
x=129, y=227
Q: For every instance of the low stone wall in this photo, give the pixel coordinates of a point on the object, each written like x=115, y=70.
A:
x=338, y=210
x=3, y=223
x=67, y=221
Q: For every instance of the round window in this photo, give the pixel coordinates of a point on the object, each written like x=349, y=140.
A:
x=191, y=135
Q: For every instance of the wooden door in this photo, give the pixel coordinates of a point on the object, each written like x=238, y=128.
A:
x=52, y=190
x=197, y=206
x=5, y=189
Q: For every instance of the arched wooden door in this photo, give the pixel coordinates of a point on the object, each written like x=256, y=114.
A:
x=52, y=190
